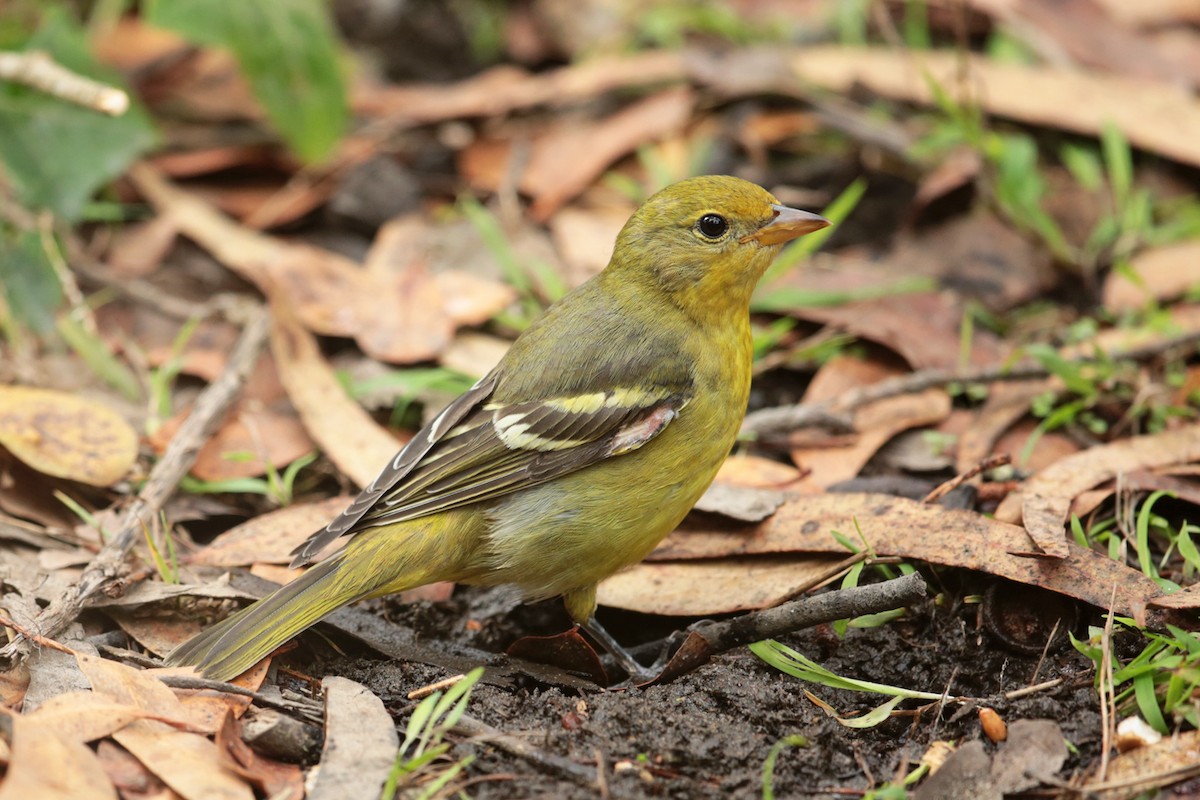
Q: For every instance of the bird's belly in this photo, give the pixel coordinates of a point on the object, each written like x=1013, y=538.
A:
x=576, y=531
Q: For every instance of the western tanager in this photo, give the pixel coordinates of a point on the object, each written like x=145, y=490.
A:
x=588, y=443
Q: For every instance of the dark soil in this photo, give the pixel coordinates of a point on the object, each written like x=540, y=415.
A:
x=709, y=733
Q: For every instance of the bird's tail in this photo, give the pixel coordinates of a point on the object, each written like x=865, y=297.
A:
x=231, y=647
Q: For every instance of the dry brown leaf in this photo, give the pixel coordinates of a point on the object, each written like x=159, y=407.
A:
x=1153, y=116
x=471, y=300
x=251, y=439
x=1085, y=33
x=29, y=494
x=206, y=710
x=270, y=538
x=132, y=46
x=957, y=169
x=129, y=686
x=757, y=472
x=1152, y=13
x=826, y=463
x=709, y=587
x=84, y=716
x=1045, y=501
x=394, y=308
x=901, y=527
x=877, y=422
x=346, y=433
x=1186, y=598
x=585, y=238
x=474, y=354
x=1164, y=273
x=276, y=780
x=138, y=249
x=1050, y=448
x=1007, y=402
x=159, y=635
x=66, y=435
x=566, y=162
x=502, y=89
x=1154, y=764
x=249, y=443
x=44, y=765
x=128, y=775
x=360, y=741
x=13, y=684
x=187, y=762
x=919, y=327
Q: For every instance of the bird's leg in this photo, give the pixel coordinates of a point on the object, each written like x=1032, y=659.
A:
x=581, y=606
x=637, y=673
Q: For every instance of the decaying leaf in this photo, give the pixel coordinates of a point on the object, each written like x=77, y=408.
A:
x=75, y=771
x=1145, y=769
x=697, y=588
x=270, y=538
x=876, y=422
x=1045, y=501
x=901, y=527
x=66, y=435
x=345, y=432
x=1162, y=273
x=1154, y=116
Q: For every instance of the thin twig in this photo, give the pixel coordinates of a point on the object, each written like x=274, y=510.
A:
x=198, y=428
x=991, y=462
x=437, y=686
x=1037, y=687
x=787, y=418
x=309, y=709
x=1108, y=700
x=37, y=69
x=40, y=641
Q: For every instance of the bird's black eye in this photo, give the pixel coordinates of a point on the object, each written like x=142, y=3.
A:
x=713, y=226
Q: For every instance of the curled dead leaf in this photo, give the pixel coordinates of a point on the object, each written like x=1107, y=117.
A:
x=66, y=436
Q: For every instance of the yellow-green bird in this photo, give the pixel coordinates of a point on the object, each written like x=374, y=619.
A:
x=588, y=443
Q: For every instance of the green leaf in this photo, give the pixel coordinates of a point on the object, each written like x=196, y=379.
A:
x=785, y=659
x=795, y=740
x=30, y=288
x=289, y=54
x=56, y=154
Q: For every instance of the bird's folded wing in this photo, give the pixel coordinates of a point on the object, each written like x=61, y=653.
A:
x=478, y=450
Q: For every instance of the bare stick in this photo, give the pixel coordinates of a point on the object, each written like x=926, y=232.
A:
x=814, y=610
x=991, y=462
x=36, y=69
x=803, y=415
x=200, y=425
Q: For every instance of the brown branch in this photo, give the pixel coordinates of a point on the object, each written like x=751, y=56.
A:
x=710, y=638
x=780, y=420
x=109, y=563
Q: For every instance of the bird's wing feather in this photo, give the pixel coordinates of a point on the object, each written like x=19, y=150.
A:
x=478, y=450
x=408, y=457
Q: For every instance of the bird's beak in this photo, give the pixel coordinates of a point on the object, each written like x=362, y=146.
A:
x=789, y=223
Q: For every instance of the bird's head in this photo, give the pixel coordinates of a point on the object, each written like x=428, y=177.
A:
x=706, y=241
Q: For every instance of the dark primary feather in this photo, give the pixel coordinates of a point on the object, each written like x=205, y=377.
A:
x=400, y=466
